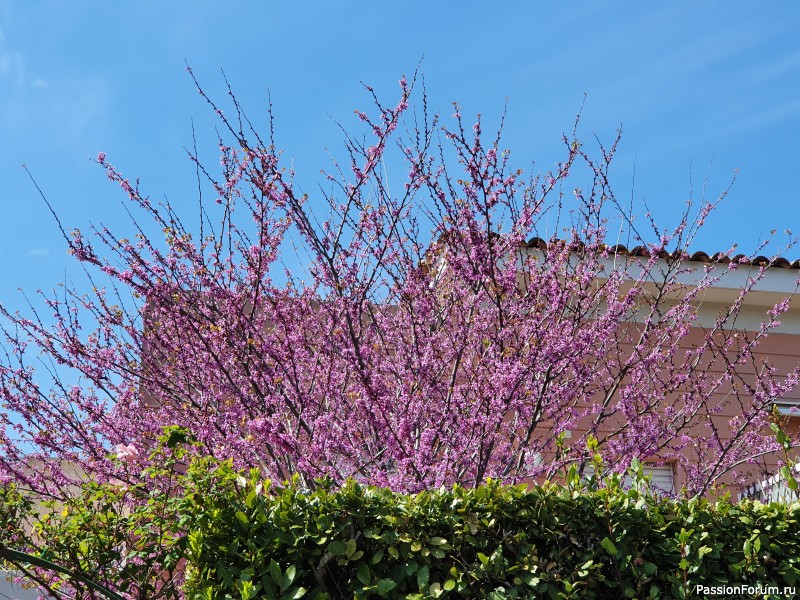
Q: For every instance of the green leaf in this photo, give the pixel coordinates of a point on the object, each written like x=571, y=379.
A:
x=288, y=576
x=176, y=435
x=247, y=590
x=609, y=546
x=411, y=567
x=275, y=572
x=423, y=573
x=385, y=586
x=449, y=585
x=337, y=548
x=242, y=518
x=295, y=593
x=269, y=586
x=572, y=475
x=781, y=437
x=363, y=574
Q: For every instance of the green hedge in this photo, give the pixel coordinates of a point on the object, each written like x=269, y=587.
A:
x=491, y=542
x=213, y=533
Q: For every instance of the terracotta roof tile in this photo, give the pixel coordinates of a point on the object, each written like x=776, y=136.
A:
x=703, y=257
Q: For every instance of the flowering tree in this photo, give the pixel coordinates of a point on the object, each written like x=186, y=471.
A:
x=426, y=342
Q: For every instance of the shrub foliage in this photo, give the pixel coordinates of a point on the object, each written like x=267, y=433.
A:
x=573, y=541
x=215, y=533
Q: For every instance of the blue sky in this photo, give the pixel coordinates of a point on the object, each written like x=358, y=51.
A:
x=700, y=88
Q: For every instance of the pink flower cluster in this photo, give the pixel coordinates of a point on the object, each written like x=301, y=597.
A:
x=433, y=337
x=127, y=453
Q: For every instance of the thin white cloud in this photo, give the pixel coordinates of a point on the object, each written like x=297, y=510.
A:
x=783, y=111
x=55, y=110
x=12, y=64
x=39, y=252
x=670, y=66
x=55, y=107
x=780, y=67
x=12, y=68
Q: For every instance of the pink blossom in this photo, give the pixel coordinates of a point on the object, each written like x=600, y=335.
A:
x=431, y=336
x=127, y=453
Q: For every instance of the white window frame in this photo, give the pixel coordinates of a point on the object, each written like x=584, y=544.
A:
x=787, y=408
x=662, y=477
x=771, y=489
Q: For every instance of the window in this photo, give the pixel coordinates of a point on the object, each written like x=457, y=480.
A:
x=788, y=407
x=771, y=489
x=662, y=478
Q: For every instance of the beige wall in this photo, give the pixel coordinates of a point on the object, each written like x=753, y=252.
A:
x=783, y=352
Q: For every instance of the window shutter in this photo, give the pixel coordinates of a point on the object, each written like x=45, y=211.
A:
x=663, y=478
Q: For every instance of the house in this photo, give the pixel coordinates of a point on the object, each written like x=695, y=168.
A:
x=768, y=281
x=266, y=336
x=242, y=361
